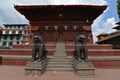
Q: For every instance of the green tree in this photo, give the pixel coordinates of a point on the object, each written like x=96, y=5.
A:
x=118, y=8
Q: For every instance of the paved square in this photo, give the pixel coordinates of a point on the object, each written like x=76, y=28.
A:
x=17, y=73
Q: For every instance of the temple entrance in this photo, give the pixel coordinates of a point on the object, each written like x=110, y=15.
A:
x=60, y=36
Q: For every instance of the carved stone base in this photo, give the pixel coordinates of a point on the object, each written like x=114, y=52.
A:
x=84, y=69
x=36, y=68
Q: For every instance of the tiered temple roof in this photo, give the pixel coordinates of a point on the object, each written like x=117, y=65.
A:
x=60, y=12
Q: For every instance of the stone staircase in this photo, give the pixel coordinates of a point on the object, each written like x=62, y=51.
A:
x=60, y=62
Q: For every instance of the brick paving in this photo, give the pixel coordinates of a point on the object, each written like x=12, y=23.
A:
x=17, y=73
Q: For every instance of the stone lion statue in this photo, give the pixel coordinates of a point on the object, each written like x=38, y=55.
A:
x=81, y=50
x=38, y=47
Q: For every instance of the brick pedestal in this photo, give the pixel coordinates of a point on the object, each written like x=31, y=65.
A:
x=36, y=68
x=84, y=69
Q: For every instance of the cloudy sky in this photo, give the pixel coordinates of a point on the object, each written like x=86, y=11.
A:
x=103, y=24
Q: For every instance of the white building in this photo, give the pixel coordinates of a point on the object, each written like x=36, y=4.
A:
x=13, y=34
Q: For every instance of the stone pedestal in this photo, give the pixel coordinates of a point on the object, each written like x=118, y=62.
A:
x=35, y=67
x=84, y=69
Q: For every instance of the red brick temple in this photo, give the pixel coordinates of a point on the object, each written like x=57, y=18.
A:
x=61, y=23
x=59, y=26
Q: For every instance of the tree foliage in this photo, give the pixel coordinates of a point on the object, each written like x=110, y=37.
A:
x=118, y=7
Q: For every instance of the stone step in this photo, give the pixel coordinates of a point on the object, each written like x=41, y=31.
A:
x=62, y=48
x=59, y=53
x=60, y=66
x=60, y=69
x=64, y=56
x=60, y=57
x=60, y=60
x=59, y=63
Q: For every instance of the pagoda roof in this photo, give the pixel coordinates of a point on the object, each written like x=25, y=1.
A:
x=103, y=34
x=110, y=36
x=36, y=13
x=15, y=24
x=117, y=27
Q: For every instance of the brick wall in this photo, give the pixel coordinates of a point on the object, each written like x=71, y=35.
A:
x=106, y=63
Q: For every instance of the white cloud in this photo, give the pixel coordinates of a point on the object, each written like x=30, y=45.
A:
x=1, y=22
x=109, y=24
x=9, y=15
x=100, y=26
x=31, y=2
x=60, y=2
x=90, y=2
